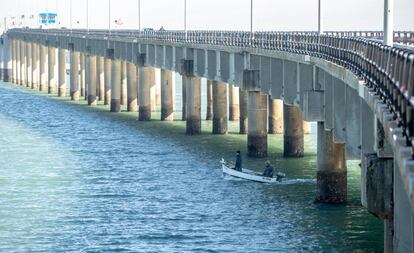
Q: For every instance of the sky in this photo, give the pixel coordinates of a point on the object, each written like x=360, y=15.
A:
x=276, y=15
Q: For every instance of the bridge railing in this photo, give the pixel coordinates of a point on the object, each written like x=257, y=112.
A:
x=389, y=71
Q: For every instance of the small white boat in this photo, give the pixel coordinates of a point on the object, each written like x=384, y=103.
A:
x=249, y=174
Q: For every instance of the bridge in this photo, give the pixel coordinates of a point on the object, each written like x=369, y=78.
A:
x=358, y=90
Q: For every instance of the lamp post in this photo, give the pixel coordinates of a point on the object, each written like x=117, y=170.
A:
x=139, y=15
x=109, y=15
x=87, y=16
x=185, y=18
x=251, y=16
x=388, y=22
x=320, y=17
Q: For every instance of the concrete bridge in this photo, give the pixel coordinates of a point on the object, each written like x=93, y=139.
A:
x=357, y=89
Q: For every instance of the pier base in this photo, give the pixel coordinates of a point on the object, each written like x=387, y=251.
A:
x=275, y=116
x=209, y=114
x=52, y=69
x=234, y=107
x=62, y=72
x=144, y=92
x=193, y=105
x=293, y=131
x=219, y=108
x=108, y=80
x=43, y=68
x=332, y=174
x=167, y=95
x=91, y=61
x=257, y=118
x=124, y=93
x=116, y=86
x=100, y=72
x=132, y=87
x=74, y=75
x=243, y=103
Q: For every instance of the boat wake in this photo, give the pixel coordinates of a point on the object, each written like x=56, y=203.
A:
x=288, y=181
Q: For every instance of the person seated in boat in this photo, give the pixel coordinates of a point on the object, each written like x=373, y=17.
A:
x=268, y=171
x=238, y=165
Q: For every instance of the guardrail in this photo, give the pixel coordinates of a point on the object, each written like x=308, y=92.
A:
x=388, y=71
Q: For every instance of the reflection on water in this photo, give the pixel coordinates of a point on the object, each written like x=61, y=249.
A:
x=80, y=179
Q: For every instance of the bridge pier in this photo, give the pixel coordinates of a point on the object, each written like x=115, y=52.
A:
x=243, y=103
x=275, y=116
x=83, y=75
x=108, y=80
x=124, y=91
x=52, y=82
x=257, y=120
x=91, y=60
x=43, y=68
x=145, y=76
x=100, y=70
x=219, y=107
x=183, y=98
x=62, y=72
x=23, y=69
x=35, y=66
x=306, y=127
x=132, y=87
x=234, y=107
x=14, y=68
x=332, y=174
x=193, y=105
x=293, y=131
x=167, y=95
x=29, y=65
x=74, y=75
x=116, y=85
x=17, y=80
x=209, y=114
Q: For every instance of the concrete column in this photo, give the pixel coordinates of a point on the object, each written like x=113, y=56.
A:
x=35, y=66
x=219, y=107
x=275, y=116
x=193, y=105
x=257, y=120
x=82, y=75
x=293, y=131
x=92, y=79
x=74, y=75
x=116, y=86
x=14, y=61
x=52, y=69
x=234, y=107
x=23, y=80
x=306, y=127
x=43, y=68
x=108, y=80
x=209, y=115
x=132, y=83
x=29, y=70
x=62, y=72
x=100, y=71
x=18, y=62
x=243, y=101
x=157, y=88
x=167, y=95
x=145, y=77
x=331, y=175
x=183, y=98
x=124, y=95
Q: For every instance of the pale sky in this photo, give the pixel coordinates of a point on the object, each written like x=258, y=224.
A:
x=220, y=14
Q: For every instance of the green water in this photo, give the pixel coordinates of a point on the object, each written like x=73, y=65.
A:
x=82, y=179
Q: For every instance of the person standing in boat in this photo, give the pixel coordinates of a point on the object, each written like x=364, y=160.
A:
x=238, y=165
x=268, y=171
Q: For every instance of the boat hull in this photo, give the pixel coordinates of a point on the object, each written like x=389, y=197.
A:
x=247, y=174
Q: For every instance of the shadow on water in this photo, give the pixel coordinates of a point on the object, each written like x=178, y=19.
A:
x=146, y=186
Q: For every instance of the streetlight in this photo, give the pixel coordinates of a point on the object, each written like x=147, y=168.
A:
x=251, y=16
x=388, y=22
x=139, y=15
x=70, y=16
x=109, y=16
x=87, y=15
x=185, y=18
x=320, y=17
